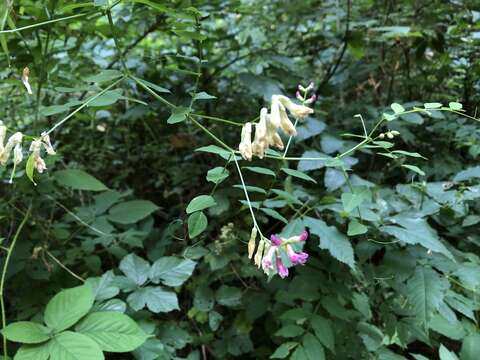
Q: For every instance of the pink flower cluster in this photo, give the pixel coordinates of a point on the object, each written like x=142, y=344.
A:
x=272, y=259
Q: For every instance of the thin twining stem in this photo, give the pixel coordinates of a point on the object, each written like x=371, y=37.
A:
x=214, y=118
x=4, y=274
x=78, y=277
x=61, y=122
x=209, y=133
x=246, y=194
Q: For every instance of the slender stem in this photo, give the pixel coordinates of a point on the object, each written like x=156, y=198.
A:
x=115, y=40
x=153, y=93
x=246, y=195
x=214, y=118
x=61, y=122
x=4, y=274
x=209, y=133
x=64, y=267
x=289, y=141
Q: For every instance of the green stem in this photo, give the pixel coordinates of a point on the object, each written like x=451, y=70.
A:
x=4, y=275
x=45, y=23
x=209, y=133
x=61, y=122
x=214, y=118
x=115, y=41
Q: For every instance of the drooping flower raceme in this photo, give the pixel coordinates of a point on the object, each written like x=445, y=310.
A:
x=245, y=146
x=284, y=253
x=266, y=130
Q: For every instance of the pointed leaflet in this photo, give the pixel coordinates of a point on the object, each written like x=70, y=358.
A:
x=136, y=268
x=172, y=271
x=68, y=306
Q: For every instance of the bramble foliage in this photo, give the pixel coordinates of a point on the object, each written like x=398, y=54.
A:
x=156, y=196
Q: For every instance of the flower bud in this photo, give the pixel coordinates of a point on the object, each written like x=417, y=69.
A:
x=299, y=96
x=311, y=99
x=252, y=242
x=26, y=73
x=389, y=135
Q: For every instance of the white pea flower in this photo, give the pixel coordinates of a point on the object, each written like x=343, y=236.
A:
x=47, y=144
x=298, y=111
x=13, y=140
x=275, y=112
x=273, y=138
x=26, y=73
x=245, y=146
x=260, y=143
x=38, y=162
x=17, y=154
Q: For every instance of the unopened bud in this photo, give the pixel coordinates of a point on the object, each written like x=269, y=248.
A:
x=311, y=99
x=310, y=86
x=381, y=136
x=390, y=135
x=299, y=96
x=301, y=88
x=395, y=132
x=252, y=242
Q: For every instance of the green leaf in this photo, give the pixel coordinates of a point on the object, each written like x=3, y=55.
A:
x=425, y=290
x=251, y=188
x=197, y=223
x=414, y=169
x=204, y=298
x=389, y=117
x=203, y=96
x=153, y=86
x=259, y=170
x=455, y=106
x=54, y=109
x=172, y=271
x=274, y=214
x=356, y=228
x=351, y=201
x=217, y=175
x=214, y=149
x=332, y=240
x=74, y=346
x=417, y=231
x=112, y=331
x=26, y=332
x=200, y=202
x=298, y=174
x=299, y=354
x=107, y=98
x=283, y=350
x=179, y=114
x=135, y=268
x=446, y=354
x=228, y=295
x=104, y=75
x=324, y=331
x=470, y=347
x=433, y=105
x=78, y=180
x=468, y=174
x=68, y=306
x=132, y=211
x=155, y=298
x=33, y=352
x=290, y=331
x=397, y=108
x=313, y=347
x=29, y=167
x=407, y=153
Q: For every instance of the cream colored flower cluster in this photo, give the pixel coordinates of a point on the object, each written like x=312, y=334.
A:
x=14, y=143
x=266, y=130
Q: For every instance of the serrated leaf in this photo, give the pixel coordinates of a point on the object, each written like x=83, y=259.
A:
x=112, y=331
x=274, y=214
x=172, y=271
x=74, y=346
x=425, y=290
x=135, y=268
x=68, y=306
x=156, y=299
x=332, y=240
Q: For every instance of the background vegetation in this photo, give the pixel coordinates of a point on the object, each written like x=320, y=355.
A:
x=144, y=98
